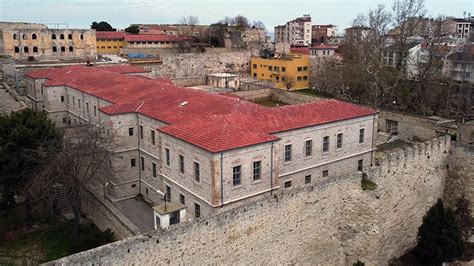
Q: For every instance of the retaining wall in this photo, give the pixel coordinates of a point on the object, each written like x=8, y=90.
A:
x=333, y=222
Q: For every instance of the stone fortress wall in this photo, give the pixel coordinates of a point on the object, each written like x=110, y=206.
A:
x=331, y=222
x=199, y=64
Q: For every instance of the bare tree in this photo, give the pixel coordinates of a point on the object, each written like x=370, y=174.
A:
x=191, y=22
x=258, y=25
x=85, y=160
x=241, y=22
x=407, y=18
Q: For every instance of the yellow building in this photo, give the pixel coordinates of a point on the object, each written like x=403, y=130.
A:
x=289, y=72
x=110, y=42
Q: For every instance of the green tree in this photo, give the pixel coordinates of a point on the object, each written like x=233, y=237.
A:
x=102, y=26
x=133, y=29
x=439, y=237
x=27, y=139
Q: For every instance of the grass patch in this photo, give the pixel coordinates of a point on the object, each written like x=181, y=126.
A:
x=37, y=243
x=368, y=184
x=270, y=103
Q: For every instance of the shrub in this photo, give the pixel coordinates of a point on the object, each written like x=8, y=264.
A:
x=368, y=184
x=439, y=237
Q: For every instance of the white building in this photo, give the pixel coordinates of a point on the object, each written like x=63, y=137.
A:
x=205, y=152
x=296, y=32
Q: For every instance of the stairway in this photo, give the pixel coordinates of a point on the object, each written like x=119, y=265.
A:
x=62, y=199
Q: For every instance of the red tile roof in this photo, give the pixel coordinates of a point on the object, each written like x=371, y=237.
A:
x=106, y=35
x=324, y=47
x=299, y=50
x=155, y=38
x=213, y=122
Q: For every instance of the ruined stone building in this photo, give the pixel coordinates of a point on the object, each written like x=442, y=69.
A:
x=204, y=153
x=23, y=41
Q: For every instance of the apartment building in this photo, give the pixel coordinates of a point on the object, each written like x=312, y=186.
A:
x=31, y=42
x=204, y=152
x=296, y=32
x=458, y=27
x=289, y=72
x=110, y=42
x=322, y=33
x=459, y=64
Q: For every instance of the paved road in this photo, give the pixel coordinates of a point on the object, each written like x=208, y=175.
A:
x=138, y=212
x=7, y=102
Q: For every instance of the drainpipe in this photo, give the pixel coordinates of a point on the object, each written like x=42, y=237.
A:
x=139, y=156
x=271, y=170
x=373, y=141
x=222, y=180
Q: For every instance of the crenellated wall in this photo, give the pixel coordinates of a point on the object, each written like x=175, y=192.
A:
x=331, y=222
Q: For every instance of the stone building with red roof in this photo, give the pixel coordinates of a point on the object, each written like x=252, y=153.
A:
x=205, y=152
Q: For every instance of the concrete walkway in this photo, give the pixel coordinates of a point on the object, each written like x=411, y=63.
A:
x=138, y=212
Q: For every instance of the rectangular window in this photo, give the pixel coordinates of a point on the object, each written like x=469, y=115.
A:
x=168, y=194
x=300, y=68
x=339, y=141
x=153, y=167
x=68, y=99
x=308, y=146
x=79, y=103
x=283, y=69
x=236, y=175
x=182, y=199
x=305, y=77
x=132, y=162
x=130, y=131
x=152, y=134
x=141, y=132
x=257, y=170
x=87, y=107
x=270, y=68
x=167, y=155
x=300, y=78
x=73, y=101
x=307, y=179
x=95, y=110
x=62, y=99
x=326, y=144
x=305, y=68
x=197, y=210
x=254, y=65
x=181, y=164
x=287, y=184
x=360, y=165
x=143, y=163
x=64, y=120
x=197, y=172
x=325, y=173
x=391, y=126
x=361, y=135
x=288, y=153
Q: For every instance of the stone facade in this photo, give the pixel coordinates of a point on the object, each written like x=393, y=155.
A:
x=329, y=222
x=48, y=44
x=200, y=64
x=461, y=174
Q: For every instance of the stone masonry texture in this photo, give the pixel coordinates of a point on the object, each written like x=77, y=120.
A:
x=331, y=222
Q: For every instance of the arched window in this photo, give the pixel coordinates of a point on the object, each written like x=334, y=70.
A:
x=55, y=49
x=71, y=49
x=53, y=36
x=17, y=49
x=69, y=36
x=33, y=36
x=25, y=36
x=63, y=49
x=25, y=49
x=35, y=49
x=82, y=36
x=15, y=37
x=61, y=36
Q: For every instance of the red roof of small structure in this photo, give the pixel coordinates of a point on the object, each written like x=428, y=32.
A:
x=105, y=35
x=155, y=38
x=299, y=50
x=214, y=122
x=323, y=47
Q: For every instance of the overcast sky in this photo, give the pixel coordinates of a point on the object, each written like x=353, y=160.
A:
x=121, y=13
